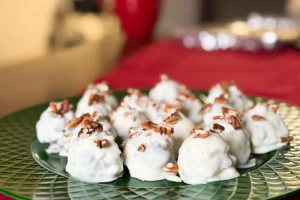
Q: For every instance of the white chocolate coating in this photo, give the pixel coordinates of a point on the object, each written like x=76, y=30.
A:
x=165, y=91
x=99, y=107
x=265, y=134
x=182, y=129
x=50, y=125
x=235, y=97
x=102, y=88
x=191, y=108
x=209, y=113
x=139, y=102
x=125, y=118
x=239, y=142
x=203, y=160
x=90, y=163
x=72, y=134
x=148, y=165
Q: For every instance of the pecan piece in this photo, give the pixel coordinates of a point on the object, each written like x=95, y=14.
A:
x=205, y=108
x=95, y=98
x=173, y=119
x=258, y=118
x=167, y=130
x=60, y=108
x=74, y=123
x=217, y=128
x=225, y=85
x=274, y=108
x=286, y=139
x=167, y=107
x=141, y=148
x=218, y=117
x=171, y=167
x=220, y=100
x=101, y=143
x=147, y=125
x=235, y=122
x=196, y=128
x=203, y=134
x=228, y=112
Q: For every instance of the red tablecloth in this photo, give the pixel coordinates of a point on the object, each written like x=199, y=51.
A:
x=268, y=74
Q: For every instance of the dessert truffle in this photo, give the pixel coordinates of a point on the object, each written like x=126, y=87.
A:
x=94, y=156
x=229, y=127
x=230, y=91
x=102, y=88
x=266, y=127
x=204, y=157
x=208, y=111
x=165, y=91
x=148, y=153
x=182, y=127
x=72, y=128
x=136, y=100
x=52, y=121
x=125, y=118
x=190, y=104
x=95, y=103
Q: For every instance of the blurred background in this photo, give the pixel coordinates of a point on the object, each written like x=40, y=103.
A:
x=53, y=48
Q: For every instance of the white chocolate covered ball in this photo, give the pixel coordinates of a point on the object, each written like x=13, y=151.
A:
x=266, y=127
x=95, y=157
x=52, y=122
x=102, y=88
x=231, y=130
x=165, y=91
x=229, y=90
x=204, y=157
x=95, y=103
x=125, y=118
x=148, y=152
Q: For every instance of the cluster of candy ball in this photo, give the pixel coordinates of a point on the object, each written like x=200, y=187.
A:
x=169, y=134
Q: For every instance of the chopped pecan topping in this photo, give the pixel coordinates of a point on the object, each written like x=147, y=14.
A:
x=167, y=130
x=95, y=98
x=172, y=119
x=167, y=107
x=171, y=167
x=220, y=100
x=274, y=108
x=101, y=143
x=258, y=118
x=74, y=123
x=205, y=108
x=235, y=122
x=201, y=134
x=89, y=127
x=225, y=85
x=196, y=128
x=147, y=125
x=228, y=112
x=286, y=139
x=141, y=148
x=186, y=94
x=217, y=128
x=218, y=117
x=60, y=108
x=158, y=128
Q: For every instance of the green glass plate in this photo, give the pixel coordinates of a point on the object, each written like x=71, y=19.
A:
x=27, y=172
